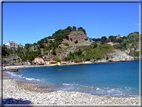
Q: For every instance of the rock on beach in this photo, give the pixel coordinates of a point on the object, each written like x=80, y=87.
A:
x=13, y=70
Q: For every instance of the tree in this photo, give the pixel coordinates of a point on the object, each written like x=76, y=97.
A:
x=136, y=32
x=124, y=37
x=103, y=39
x=81, y=29
x=5, y=51
x=31, y=58
x=49, y=37
x=120, y=40
x=53, y=52
x=79, y=52
x=40, y=55
x=112, y=38
x=41, y=45
x=96, y=40
x=51, y=42
x=66, y=58
x=95, y=45
x=107, y=58
x=45, y=40
x=50, y=46
x=69, y=29
x=35, y=44
x=38, y=51
x=27, y=45
x=57, y=59
x=74, y=28
x=71, y=54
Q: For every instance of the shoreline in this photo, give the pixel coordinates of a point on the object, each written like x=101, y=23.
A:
x=30, y=92
x=21, y=66
x=30, y=66
x=26, y=84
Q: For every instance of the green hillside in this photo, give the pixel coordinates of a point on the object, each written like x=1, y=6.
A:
x=72, y=44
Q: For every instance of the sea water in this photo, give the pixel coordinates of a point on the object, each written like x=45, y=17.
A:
x=107, y=79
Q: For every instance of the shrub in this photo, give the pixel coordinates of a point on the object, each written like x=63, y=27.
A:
x=41, y=64
x=4, y=61
x=95, y=45
x=86, y=39
x=76, y=41
x=57, y=59
x=107, y=58
x=98, y=58
x=66, y=44
x=66, y=58
x=53, y=52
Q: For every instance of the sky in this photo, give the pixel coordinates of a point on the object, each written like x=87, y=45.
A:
x=29, y=22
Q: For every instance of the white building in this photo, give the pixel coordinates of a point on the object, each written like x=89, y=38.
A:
x=19, y=45
x=11, y=44
x=50, y=40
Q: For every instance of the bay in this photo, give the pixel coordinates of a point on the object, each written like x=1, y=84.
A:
x=107, y=79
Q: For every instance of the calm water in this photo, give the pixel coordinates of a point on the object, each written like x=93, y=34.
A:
x=110, y=79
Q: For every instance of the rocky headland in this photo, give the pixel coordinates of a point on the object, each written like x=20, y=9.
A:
x=117, y=56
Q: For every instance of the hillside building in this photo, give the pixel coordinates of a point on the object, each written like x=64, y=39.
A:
x=50, y=40
x=38, y=60
x=19, y=45
x=12, y=44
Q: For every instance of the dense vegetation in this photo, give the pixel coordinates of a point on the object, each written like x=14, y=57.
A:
x=123, y=43
x=93, y=52
x=97, y=50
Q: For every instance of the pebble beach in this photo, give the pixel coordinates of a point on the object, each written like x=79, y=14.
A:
x=17, y=92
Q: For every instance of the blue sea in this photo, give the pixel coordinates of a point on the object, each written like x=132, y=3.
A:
x=107, y=79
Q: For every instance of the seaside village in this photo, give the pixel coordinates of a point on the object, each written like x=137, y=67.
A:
x=38, y=60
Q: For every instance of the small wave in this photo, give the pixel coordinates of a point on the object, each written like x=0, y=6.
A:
x=113, y=91
x=11, y=73
x=29, y=79
x=66, y=84
x=100, y=91
x=22, y=77
x=97, y=88
x=69, y=84
x=32, y=79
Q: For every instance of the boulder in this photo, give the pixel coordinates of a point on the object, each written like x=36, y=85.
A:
x=13, y=70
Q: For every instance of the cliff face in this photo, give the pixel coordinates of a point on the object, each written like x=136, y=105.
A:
x=79, y=36
x=117, y=56
x=69, y=45
x=120, y=56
